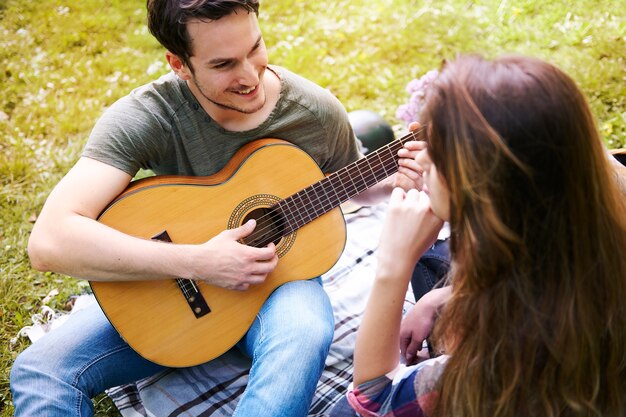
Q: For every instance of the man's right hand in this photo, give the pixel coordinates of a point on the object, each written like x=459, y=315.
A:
x=225, y=262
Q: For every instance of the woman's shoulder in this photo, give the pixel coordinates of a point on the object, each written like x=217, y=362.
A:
x=411, y=388
x=426, y=374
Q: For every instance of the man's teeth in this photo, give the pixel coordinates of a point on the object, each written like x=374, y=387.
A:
x=248, y=91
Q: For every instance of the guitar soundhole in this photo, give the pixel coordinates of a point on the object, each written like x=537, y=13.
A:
x=269, y=228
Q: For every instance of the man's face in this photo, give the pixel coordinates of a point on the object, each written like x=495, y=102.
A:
x=229, y=60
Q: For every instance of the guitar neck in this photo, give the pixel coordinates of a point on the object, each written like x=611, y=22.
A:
x=319, y=198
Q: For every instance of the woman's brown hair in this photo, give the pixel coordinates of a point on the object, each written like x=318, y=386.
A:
x=536, y=325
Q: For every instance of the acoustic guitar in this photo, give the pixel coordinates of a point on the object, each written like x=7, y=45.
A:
x=181, y=322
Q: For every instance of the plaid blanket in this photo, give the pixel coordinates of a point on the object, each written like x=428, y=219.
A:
x=213, y=389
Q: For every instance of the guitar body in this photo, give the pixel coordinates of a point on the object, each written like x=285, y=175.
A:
x=153, y=316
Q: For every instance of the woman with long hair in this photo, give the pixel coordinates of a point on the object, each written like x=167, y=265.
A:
x=533, y=322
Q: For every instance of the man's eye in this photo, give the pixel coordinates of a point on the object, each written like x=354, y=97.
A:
x=221, y=65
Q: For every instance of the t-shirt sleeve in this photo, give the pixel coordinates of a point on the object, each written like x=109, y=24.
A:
x=411, y=390
x=128, y=136
x=342, y=142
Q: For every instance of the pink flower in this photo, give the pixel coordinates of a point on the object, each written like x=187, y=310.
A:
x=409, y=112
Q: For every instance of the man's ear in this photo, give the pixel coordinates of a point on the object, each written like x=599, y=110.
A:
x=177, y=65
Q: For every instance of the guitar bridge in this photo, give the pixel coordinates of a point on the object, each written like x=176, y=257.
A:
x=188, y=287
x=193, y=296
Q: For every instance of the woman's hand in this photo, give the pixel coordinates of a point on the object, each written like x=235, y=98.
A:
x=410, y=228
x=418, y=323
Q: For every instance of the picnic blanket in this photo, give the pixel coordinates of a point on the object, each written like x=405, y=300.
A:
x=213, y=389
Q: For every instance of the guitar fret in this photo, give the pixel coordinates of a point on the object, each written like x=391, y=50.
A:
x=186, y=286
x=338, y=178
x=387, y=173
x=284, y=213
x=373, y=177
x=380, y=170
x=319, y=198
x=298, y=221
x=296, y=218
x=303, y=205
x=337, y=199
x=300, y=206
x=345, y=179
x=363, y=183
x=306, y=200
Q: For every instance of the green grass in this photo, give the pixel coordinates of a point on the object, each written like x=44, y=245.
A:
x=64, y=63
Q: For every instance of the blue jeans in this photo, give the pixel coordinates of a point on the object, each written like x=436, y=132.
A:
x=288, y=343
x=431, y=268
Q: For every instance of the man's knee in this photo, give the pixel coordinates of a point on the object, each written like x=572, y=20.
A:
x=314, y=322
x=39, y=363
x=315, y=330
x=18, y=369
x=22, y=373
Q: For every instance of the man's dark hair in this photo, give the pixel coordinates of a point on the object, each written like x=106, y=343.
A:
x=167, y=20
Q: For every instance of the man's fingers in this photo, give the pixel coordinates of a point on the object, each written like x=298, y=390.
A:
x=265, y=254
x=241, y=287
x=410, y=165
x=413, y=146
x=265, y=267
x=244, y=230
x=413, y=126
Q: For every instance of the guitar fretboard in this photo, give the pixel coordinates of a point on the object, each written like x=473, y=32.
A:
x=321, y=197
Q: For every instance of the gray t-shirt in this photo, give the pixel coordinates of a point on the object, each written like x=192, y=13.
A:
x=161, y=127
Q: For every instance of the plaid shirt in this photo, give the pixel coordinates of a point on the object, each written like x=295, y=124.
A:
x=411, y=392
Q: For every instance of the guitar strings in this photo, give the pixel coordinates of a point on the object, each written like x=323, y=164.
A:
x=360, y=184
x=359, y=187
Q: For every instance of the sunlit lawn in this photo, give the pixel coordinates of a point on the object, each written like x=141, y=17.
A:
x=63, y=63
